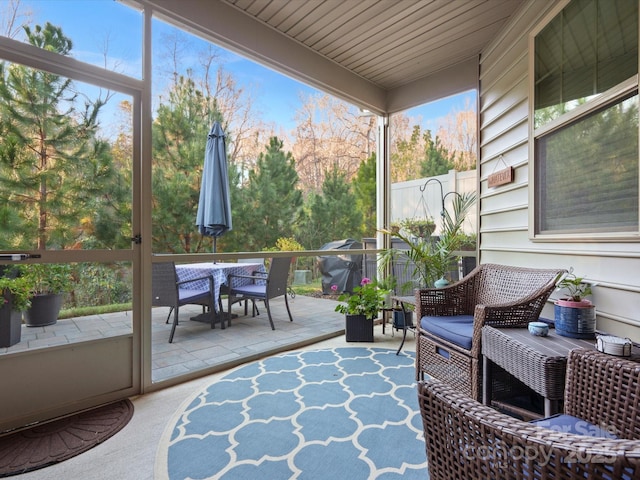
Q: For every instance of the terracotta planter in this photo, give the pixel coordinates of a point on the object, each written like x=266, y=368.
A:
x=358, y=328
x=575, y=319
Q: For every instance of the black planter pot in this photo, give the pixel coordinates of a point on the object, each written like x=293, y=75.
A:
x=44, y=310
x=358, y=328
x=10, y=325
x=402, y=319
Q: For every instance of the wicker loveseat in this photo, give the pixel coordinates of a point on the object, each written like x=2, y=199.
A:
x=450, y=319
x=465, y=439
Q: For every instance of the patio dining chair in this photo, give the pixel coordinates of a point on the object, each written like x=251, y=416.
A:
x=262, y=287
x=255, y=310
x=168, y=291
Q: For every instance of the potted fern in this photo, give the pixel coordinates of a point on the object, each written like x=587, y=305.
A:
x=575, y=316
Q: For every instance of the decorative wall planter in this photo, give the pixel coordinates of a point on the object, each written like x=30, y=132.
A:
x=44, y=310
x=575, y=319
x=358, y=328
x=10, y=325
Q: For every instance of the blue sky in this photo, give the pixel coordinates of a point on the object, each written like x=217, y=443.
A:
x=89, y=23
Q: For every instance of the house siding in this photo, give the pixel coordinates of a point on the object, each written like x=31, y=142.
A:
x=504, y=210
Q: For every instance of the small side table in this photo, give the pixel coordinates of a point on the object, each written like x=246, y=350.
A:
x=538, y=362
x=403, y=301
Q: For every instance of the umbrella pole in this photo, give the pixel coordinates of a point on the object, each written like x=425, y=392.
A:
x=215, y=241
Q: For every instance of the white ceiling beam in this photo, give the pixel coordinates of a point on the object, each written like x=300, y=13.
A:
x=450, y=81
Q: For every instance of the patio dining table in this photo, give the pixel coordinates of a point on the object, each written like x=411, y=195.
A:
x=220, y=273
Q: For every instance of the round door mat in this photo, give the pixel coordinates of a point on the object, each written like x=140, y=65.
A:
x=52, y=442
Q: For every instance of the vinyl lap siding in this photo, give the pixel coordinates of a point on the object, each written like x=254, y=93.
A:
x=504, y=210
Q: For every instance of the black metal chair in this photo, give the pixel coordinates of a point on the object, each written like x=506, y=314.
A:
x=168, y=291
x=263, y=287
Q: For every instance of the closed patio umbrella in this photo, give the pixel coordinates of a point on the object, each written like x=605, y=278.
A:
x=214, y=207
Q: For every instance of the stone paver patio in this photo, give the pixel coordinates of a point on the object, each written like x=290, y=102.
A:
x=195, y=345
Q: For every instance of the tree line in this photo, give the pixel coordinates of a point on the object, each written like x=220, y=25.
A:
x=65, y=184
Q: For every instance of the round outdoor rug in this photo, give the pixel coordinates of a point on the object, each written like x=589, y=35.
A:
x=52, y=442
x=336, y=413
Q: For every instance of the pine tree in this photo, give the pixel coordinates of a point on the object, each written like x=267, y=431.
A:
x=53, y=167
x=365, y=190
x=270, y=204
x=436, y=157
x=334, y=214
x=179, y=140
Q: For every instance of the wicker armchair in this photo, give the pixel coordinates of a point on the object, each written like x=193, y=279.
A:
x=450, y=319
x=465, y=439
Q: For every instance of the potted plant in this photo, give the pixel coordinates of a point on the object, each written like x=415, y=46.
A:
x=395, y=227
x=15, y=298
x=403, y=316
x=418, y=227
x=432, y=257
x=575, y=316
x=361, y=309
x=50, y=281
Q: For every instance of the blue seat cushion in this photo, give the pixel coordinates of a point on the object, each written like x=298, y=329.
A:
x=456, y=329
x=186, y=294
x=251, y=290
x=569, y=424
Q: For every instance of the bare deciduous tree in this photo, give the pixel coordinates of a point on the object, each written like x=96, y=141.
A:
x=459, y=136
x=246, y=133
x=13, y=17
x=330, y=134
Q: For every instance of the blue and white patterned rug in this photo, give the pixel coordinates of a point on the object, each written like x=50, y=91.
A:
x=339, y=413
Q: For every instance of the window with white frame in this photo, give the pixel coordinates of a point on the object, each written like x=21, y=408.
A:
x=586, y=121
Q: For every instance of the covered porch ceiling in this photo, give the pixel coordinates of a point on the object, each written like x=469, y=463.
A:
x=382, y=55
